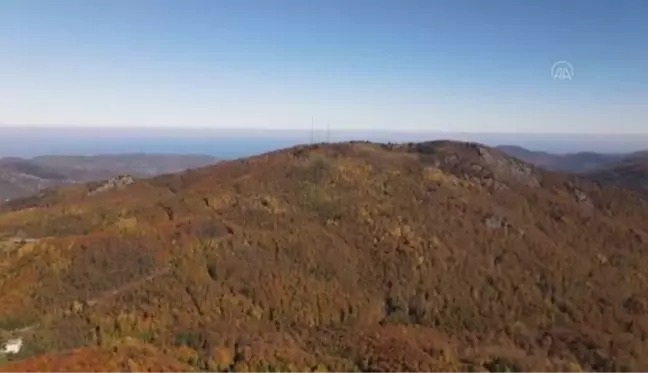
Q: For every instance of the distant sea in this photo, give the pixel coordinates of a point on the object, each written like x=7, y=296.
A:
x=229, y=144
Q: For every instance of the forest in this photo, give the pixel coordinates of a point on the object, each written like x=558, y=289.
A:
x=331, y=257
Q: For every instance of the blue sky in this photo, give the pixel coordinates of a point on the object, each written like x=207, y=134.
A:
x=430, y=65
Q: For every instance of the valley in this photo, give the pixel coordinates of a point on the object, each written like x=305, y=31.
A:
x=21, y=177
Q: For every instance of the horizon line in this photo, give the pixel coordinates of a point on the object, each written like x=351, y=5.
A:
x=254, y=130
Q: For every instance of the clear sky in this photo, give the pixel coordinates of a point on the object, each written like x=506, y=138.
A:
x=429, y=65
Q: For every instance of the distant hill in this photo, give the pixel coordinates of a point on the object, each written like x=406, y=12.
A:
x=574, y=162
x=22, y=177
x=631, y=172
x=621, y=170
x=437, y=256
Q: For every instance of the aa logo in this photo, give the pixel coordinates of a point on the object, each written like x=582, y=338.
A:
x=562, y=70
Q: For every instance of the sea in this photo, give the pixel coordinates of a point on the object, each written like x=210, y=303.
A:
x=26, y=142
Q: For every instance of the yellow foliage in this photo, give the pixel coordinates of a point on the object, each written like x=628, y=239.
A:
x=187, y=355
x=222, y=201
x=26, y=248
x=241, y=367
x=436, y=175
x=132, y=366
x=223, y=357
x=127, y=224
x=13, y=217
x=269, y=203
x=352, y=171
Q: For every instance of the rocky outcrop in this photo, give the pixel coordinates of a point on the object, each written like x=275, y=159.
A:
x=114, y=183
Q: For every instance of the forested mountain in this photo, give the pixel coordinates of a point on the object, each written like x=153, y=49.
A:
x=631, y=173
x=628, y=171
x=351, y=256
x=580, y=162
x=23, y=177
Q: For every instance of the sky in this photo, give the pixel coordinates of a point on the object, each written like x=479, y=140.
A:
x=401, y=65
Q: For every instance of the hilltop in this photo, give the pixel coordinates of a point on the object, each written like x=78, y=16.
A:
x=23, y=177
x=350, y=256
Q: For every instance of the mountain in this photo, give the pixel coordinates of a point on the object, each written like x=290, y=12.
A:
x=22, y=177
x=347, y=257
x=575, y=162
x=631, y=172
x=621, y=170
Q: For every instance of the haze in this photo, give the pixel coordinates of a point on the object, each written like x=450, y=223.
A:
x=234, y=143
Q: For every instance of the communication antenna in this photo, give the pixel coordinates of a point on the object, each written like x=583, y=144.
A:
x=312, y=140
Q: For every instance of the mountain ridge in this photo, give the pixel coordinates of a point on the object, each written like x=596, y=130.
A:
x=626, y=170
x=350, y=256
x=22, y=177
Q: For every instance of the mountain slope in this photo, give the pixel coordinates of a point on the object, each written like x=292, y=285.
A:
x=139, y=164
x=131, y=356
x=575, y=162
x=631, y=173
x=21, y=177
x=628, y=171
x=355, y=256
